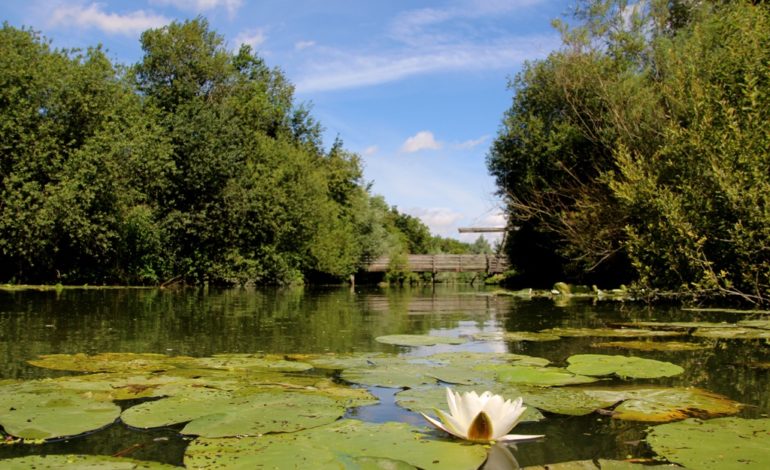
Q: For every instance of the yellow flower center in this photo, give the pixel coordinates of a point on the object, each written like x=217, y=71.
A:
x=481, y=428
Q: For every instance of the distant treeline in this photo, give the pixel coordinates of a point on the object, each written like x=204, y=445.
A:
x=640, y=151
x=194, y=164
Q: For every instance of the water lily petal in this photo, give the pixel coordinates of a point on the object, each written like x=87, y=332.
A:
x=519, y=437
x=504, y=422
x=455, y=426
x=438, y=425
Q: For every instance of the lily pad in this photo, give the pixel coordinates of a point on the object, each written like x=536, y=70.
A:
x=330, y=446
x=428, y=399
x=475, y=359
x=724, y=443
x=251, y=361
x=81, y=462
x=111, y=362
x=52, y=414
x=623, y=366
x=678, y=325
x=601, y=464
x=761, y=324
x=538, y=376
x=732, y=333
x=609, y=332
x=565, y=400
x=418, y=340
x=515, y=336
x=662, y=404
x=218, y=414
x=652, y=345
x=394, y=372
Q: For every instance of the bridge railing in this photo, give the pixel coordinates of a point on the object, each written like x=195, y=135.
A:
x=445, y=263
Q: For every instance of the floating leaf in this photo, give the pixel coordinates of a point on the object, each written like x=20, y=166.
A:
x=47, y=414
x=609, y=332
x=732, y=333
x=515, y=336
x=539, y=376
x=251, y=361
x=341, y=361
x=724, y=443
x=623, y=366
x=761, y=324
x=111, y=362
x=392, y=372
x=330, y=446
x=81, y=462
x=661, y=404
x=652, y=345
x=678, y=325
x=428, y=399
x=565, y=400
x=219, y=414
x=418, y=340
x=601, y=464
x=474, y=359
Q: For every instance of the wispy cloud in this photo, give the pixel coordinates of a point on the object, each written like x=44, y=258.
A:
x=423, y=140
x=371, y=150
x=252, y=37
x=300, y=45
x=467, y=37
x=441, y=220
x=93, y=16
x=202, y=5
x=469, y=144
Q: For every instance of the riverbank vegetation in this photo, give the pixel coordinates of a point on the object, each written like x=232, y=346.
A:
x=195, y=164
x=640, y=151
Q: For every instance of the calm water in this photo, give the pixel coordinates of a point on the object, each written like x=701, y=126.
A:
x=201, y=322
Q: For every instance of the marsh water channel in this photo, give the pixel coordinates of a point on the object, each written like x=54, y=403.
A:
x=340, y=321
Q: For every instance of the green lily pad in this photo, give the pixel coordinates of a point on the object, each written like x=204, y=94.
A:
x=538, y=376
x=662, y=404
x=678, y=325
x=724, y=443
x=111, y=362
x=220, y=414
x=732, y=333
x=428, y=399
x=81, y=462
x=476, y=359
x=251, y=361
x=601, y=464
x=418, y=340
x=623, y=366
x=565, y=400
x=48, y=414
x=394, y=372
x=652, y=345
x=330, y=446
x=341, y=361
x=609, y=332
x=761, y=324
x=515, y=336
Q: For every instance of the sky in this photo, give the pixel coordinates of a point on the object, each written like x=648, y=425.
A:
x=417, y=88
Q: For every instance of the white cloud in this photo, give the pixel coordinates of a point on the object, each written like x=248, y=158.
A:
x=371, y=150
x=440, y=220
x=93, y=16
x=469, y=144
x=252, y=37
x=423, y=140
x=202, y=5
x=338, y=70
x=300, y=45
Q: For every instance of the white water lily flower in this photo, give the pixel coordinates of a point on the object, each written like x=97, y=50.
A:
x=482, y=418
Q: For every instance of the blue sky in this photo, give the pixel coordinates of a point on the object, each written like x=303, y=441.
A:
x=417, y=88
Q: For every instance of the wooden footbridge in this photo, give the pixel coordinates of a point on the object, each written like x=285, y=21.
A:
x=491, y=264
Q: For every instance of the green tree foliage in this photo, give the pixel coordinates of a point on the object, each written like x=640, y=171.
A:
x=196, y=163
x=643, y=144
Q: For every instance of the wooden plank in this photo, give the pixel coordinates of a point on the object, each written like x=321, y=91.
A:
x=445, y=263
